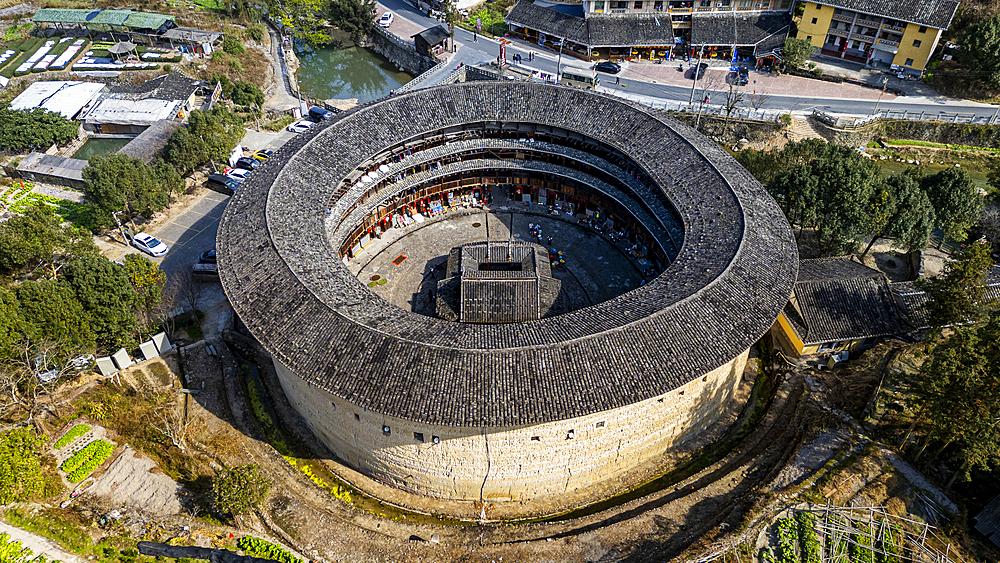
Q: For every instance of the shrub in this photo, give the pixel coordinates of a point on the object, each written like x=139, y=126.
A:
x=785, y=119
x=85, y=461
x=817, y=71
x=257, y=547
x=167, y=68
x=232, y=46
x=240, y=489
x=73, y=434
x=808, y=539
x=787, y=536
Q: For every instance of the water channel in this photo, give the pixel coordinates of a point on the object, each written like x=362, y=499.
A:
x=343, y=71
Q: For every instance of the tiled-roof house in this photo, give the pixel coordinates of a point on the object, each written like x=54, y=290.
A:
x=901, y=34
x=838, y=304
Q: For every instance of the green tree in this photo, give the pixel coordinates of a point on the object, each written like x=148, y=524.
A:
x=958, y=392
x=106, y=293
x=980, y=51
x=22, y=130
x=118, y=182
x=167, y=177
x=219, y=128
x=956, y=296
x=240, y=490
x=35, y=239
x=900, y=209
x=13, y=328
x=185, y=151
x=304, y=19
x=246, y=94
x=29, y=239
x=956, y=201
x=352, y=16
x=796, y=51
x=53, y=312
x=828, y=187
x=20, y=468
x=147, y=280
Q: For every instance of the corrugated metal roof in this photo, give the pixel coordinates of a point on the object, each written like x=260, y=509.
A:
x=118, y=18
x=61, y=15
x=65, y=98
x=143, y=20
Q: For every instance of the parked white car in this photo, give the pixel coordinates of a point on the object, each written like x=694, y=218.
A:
x=149, y=244
x=385, y=20
x=238, y=174
x=301, y=125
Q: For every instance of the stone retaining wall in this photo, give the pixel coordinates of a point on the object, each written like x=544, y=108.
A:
x=400, y=52
x=512, y=464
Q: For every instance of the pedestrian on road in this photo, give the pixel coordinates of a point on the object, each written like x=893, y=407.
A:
x=531, y=56
x=475, y=38
x=618, y=80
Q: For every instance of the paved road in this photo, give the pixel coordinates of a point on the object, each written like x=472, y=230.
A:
x=193, y=232
x=484, y=50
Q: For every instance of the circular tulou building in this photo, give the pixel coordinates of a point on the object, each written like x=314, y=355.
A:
x=505, y=387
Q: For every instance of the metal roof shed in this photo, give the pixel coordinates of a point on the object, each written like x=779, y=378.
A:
x=64, y=97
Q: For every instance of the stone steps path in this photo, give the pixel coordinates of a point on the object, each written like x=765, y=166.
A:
x=802, y=128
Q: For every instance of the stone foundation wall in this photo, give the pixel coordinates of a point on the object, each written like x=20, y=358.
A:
x=399, y=52
x=512, y=464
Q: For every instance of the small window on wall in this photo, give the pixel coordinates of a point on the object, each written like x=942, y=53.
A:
x=923, y=29
x=916, y=42
x=814, y=21
x=418, y=436
x=599, y=424
x=599, y=6
x=333, y=405
x=536, y=438
x=357, y=417
x=909, y=62
x=809, y=38
x=637, y=6
x=827, y=346
x=386, y=430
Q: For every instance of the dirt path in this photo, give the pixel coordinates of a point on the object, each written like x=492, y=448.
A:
x=283, y=97
x=39, y=545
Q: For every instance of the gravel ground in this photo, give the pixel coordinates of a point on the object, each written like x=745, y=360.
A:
x=130, y=480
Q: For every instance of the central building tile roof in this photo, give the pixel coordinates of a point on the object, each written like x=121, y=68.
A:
x=280, y=267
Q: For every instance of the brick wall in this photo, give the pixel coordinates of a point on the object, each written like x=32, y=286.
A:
x=513, y=464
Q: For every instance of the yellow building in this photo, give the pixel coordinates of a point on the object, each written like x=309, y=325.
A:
x=899, y=34
x=838, y=304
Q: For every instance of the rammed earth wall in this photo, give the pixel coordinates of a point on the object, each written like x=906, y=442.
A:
x=513, y=464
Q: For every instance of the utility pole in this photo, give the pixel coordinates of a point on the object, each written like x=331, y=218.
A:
x=121, y=229
x=885, y=80
x=559, y=63
x=994, y=119
x=701, y=53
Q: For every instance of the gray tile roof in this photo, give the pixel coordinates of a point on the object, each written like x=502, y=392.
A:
x=988, y=521
x=839, y=267
x=733, y=274
x=633, y=30
x=932, y=13
x=433, y=35
x=840, y=299
x=914, y=301
x=636, y=30
x=166, y=87
x=740, y=28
